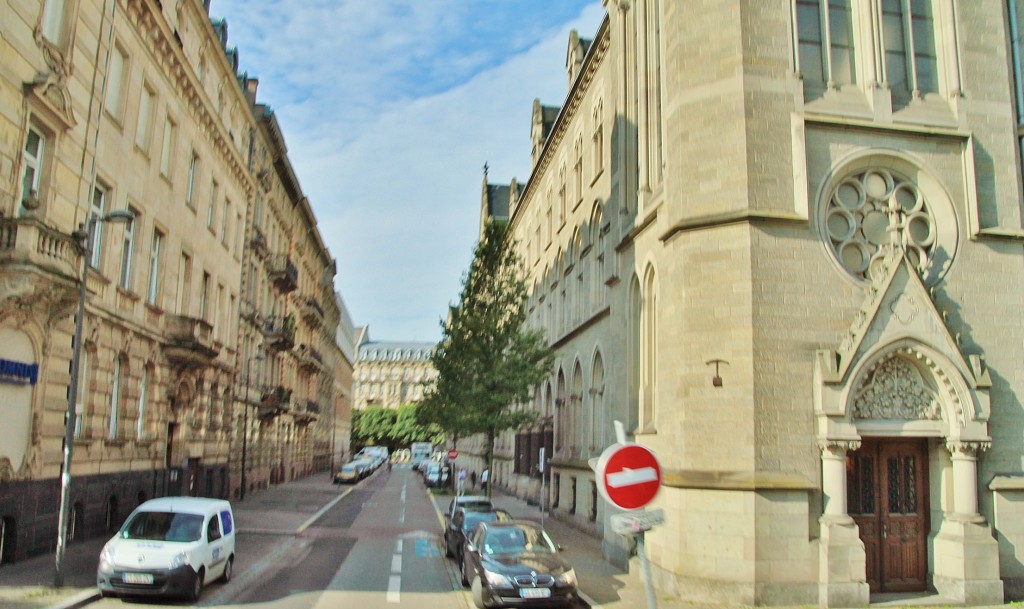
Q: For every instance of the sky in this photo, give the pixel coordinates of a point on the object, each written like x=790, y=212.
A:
x=390, y=109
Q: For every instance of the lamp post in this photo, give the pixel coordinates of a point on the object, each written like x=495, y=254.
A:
x=245, y=420
x=87, y=232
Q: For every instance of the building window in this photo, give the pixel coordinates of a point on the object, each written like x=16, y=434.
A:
x=81, y=392
x=185, y=284
x=597, y=141
x=52, y=22
x=140, y=429
x=114, y=96
x=1017, y=48
x=826, y=42
x=115, y=399
x=190, y=184
x=31, y=175
x=577, y=173
x=211, y=214
x=143, y=125
x=155, y=251
x=204, y=296
x=167, y=152
x=225, y=215
x=908, y=37
x=128, y=252
x=99, y=206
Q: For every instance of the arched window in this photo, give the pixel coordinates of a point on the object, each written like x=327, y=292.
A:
x=597, y=414
x=576, y=422
x=633, y=352
x=648, y=350
x=562, y=415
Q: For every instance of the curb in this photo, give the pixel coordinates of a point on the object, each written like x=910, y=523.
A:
x=79, y=600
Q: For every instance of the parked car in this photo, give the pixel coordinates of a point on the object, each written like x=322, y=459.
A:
x=169, y=546
x=515, y=563
x=365, y=467
x=349, y=473
x=461, y=525
x=435, y=474
x=480, y=503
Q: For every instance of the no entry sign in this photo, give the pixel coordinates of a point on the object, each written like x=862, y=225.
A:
x=453, y=454
x=628, y=475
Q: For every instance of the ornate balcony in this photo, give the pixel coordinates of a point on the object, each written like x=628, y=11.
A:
x=284, y=273
x=307, y=413
x=189, y=341
x=276, y=400
x=309, y=359
x=27, y=241
x=279, y=332
x=259, y=243
x=313, y=313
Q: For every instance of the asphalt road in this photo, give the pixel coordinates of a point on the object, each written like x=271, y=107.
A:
x=378, y=547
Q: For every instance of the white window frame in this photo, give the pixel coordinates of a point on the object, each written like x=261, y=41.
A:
x=128, y=252
x=51, y=21
x=82, y=392
x=100, y=193
x=155, y=252
x=211, y=214
x=190, y=184
x=140, y=425
x=144, y=122
x=115, y=400
x=114, y=93
x=33, y=161
x=167, y=151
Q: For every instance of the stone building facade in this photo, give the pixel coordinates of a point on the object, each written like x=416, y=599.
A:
x=787, y=256
x=391, y=373
x=114, y=105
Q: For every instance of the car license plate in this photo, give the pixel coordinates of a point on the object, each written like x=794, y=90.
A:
x=138, y=578
x=534, y=592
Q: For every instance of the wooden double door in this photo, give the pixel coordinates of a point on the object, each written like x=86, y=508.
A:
x=887, y=496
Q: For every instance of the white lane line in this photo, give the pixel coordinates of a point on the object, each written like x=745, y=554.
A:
x=394, y=585
x=401, y=513
x=396, y=564
x=398, y=546
x=317, y=516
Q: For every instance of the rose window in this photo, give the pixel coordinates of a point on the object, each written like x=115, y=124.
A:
x=870, y=212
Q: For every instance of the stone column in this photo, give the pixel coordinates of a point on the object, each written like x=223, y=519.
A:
x=966, y=554
x=842, y=576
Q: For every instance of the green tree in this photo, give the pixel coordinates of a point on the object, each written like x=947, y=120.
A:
x=408, y=429
x=487, y=359
x=373, y=425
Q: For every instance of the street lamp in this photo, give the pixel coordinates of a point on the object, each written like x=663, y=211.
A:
x=245, y=419
x=87, y=232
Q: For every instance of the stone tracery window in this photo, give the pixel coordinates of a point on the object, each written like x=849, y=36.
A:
x=872, y=210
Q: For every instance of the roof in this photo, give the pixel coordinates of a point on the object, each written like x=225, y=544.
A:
x=395, y=350
x=188, y=505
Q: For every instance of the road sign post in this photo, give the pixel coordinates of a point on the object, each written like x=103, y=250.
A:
x=629, y=476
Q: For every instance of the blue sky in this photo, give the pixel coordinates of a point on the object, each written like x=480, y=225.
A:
x=390, y=108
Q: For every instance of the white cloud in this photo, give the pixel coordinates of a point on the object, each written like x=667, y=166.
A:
x=390, y=151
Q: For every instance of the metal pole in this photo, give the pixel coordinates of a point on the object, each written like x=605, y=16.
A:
x=645, y=568
x=69, y=421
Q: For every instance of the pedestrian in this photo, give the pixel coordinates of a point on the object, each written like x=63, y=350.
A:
x=484, y=479
x=472, y=478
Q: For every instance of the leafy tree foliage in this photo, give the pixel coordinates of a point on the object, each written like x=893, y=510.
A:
x=487, y=360
x=394, y=428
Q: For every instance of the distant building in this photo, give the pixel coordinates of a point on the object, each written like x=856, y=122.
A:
x=391, y=373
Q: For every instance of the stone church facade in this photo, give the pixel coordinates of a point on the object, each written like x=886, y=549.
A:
x=782, y=243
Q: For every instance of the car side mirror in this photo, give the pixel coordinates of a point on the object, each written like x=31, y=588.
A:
x=470, y=548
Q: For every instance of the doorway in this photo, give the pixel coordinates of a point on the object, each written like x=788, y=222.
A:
x=888, y=499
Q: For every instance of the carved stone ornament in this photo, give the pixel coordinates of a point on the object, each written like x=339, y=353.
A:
x=839, y=448
x=968, y=448
x=49, y=93
x=894, y=389
x=6, y=471
x=904, y=309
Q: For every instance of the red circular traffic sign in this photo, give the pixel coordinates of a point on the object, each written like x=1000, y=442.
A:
x=628, y=475
x=452, y=454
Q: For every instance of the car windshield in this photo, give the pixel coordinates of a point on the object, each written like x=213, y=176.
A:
x=475, y=518
x=348, y=467
x=164, y=526
x=515, y=540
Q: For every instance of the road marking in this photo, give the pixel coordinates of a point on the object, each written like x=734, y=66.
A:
x=396, y=564
x=394, y=586
x=315, y=517
x=398, y=546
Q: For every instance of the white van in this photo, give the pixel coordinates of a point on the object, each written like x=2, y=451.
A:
x=169, y=546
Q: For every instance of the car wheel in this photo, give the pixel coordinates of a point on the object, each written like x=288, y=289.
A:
x=478, y=593
x=228, y=570
x=197, y=586
x=462, y=570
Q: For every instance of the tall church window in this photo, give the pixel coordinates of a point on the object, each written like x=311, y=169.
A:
x=825, y=40
x=908, y=38
x=1016, y=11
x=648, y=351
